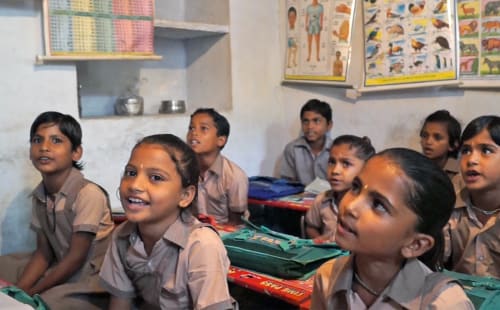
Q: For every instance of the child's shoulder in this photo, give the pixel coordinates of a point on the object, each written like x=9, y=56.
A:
x=231, y=168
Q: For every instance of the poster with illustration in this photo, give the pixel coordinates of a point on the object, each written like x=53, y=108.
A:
x=410, y=41
x=479, y=30
x=318, y=37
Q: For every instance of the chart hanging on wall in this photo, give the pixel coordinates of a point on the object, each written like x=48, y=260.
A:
x=318, y=39
x=479, y=30
x=98, y=27
x=412, y=41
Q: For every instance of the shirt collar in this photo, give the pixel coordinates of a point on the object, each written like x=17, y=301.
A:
x=177, y=233
x=216, y=167
x=302, y=142
x=451, y=165
x=404, y=289
x=72, y=183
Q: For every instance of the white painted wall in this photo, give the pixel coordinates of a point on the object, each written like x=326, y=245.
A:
x=264, y=116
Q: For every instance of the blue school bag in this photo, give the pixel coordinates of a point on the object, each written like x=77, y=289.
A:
x=262, y=187
x=261, y=249
x=484, y=292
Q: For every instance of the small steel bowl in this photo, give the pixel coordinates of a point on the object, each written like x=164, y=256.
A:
x=172, y=106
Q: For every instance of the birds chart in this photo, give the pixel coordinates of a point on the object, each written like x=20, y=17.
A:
x=409, y=41
x=318, y=37
x=479, y=44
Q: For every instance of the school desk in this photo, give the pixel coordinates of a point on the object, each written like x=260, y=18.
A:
x=284, y=214
x=295, y=292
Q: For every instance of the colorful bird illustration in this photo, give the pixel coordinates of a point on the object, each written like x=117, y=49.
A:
x=373, y=34
x=440, y=7
x=417, y=45
x=417, y=8
x=373, y=52
x=373, y=18
x=443, y=42
x=390, y=14
x=394, y=49
x=438, y=23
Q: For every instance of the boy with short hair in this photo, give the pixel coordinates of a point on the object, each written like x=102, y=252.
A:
x=306, y=157
x=223, y=186
x=71, y=217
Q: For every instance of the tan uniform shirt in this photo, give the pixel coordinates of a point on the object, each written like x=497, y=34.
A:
x=323, y=215
x=224, y=189
x=89, y=213
x=470, y=246
x=333, y=289
x=299, y=163
x=187, y=268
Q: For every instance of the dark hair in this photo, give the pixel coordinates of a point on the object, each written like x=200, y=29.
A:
x=181, y=154
x=363, y=147
x=430, y=195
x=452, y=125
x=320, y=107
x=489, y=122
x=67, y=125
x=292, y=9
x=220, y=121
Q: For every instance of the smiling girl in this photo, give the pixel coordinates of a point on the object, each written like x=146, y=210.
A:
x=163, y=257
x=393, y=214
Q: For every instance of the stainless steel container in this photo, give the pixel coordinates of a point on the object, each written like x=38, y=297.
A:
x=172, y=106
x=130, y=105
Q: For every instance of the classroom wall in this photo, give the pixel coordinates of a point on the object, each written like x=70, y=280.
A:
x=264, y=115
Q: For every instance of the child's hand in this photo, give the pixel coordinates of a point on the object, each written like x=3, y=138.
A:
x=319, y=240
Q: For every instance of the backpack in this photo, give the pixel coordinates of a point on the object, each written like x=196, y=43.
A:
x=264, y=250
x=261, y=187
x=484, y=292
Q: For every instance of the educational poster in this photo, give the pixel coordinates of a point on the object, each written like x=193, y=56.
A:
x=409, y=41
x=318, y=36
x=99, y=27
x=479, y=29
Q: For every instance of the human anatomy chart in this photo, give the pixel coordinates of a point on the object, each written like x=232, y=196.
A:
x=479, y=30
x=318, y=36
x=409, y=41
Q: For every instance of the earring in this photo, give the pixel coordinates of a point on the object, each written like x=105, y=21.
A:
x=118, y=194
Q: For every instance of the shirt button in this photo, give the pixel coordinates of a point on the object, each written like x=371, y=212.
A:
x=481, y=258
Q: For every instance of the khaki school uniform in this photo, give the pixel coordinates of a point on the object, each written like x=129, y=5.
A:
x=452, y=167
x=470, y=246
x=187, y=268
x=223, y=189
x=323, y=215
x=300, y=164
x=408, y=290
x=89, y=213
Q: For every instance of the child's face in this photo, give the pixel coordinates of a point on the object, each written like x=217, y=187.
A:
x=292, y=17
x=435, y=141
x=480, y=163
x=343, y=166
x=151, y=188
x=314, y=126
x=51, y=151
x=202, y=135
x=374, y=218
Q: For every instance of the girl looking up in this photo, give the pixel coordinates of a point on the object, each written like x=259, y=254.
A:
x=393, y=214
x=347, y=156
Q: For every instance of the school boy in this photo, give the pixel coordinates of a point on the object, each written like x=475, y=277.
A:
x=306, y=157
x=223, y=186
x=72, y=220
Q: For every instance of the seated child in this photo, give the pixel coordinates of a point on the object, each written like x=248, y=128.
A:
x=162, y=256
x=439, y=138
x=306, y=157
x=223, y=186
x=72, y=220
x=474, y=225
x=393, y=214
x=347, y=156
